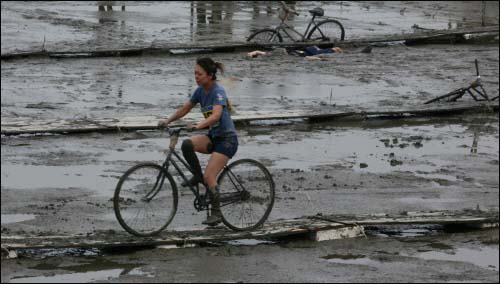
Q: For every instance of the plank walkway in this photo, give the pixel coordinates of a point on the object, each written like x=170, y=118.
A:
x=316, y=228
x=450, y=36
x=16, y=126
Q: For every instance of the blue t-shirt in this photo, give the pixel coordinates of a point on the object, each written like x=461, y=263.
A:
x=216, y=96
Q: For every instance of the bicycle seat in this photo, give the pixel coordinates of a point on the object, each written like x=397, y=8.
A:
x=317, y=12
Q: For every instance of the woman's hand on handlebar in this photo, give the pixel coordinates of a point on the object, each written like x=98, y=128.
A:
x=288, y=9
x=163, y=123
x=191, y=127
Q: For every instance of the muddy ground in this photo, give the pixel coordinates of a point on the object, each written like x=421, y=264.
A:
x=63, y=184
x=380, y=166
x=376, y=259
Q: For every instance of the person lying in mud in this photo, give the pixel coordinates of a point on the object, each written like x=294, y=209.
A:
x=311, y=52
x=307, y=52
x=221, y=141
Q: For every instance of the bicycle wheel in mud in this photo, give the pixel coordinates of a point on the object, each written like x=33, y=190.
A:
x=246, y=194
x=145, y=199
x=265, y=36
x=327, y=30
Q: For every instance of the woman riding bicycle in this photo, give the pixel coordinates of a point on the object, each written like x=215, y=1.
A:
x=221, y=141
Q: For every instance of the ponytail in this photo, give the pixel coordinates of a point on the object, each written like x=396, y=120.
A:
x=210, y=66
x=230, y=107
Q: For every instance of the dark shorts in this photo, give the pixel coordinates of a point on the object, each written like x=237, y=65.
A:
x=224, y=145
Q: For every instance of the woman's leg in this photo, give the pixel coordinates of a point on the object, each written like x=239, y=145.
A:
x=215, y=164
x=198, y=143
x=201, y=143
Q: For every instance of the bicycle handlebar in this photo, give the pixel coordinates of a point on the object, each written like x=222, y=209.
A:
x=177, y=130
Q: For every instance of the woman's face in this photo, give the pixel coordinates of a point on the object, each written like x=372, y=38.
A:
x=201, y=76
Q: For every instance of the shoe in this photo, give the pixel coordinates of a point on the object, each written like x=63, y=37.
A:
x=192, y=182
x=215, y=215
x=213, y=220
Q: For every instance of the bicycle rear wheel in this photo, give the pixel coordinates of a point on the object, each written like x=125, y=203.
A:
x=145, y=199
x=265, y=36
x=327, y=30
x=246, y=194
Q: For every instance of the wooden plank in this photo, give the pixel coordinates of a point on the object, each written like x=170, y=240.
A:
x=173, y=48
x=318, y=228
x=472, y=217
x=338, y=233
x=16, y=126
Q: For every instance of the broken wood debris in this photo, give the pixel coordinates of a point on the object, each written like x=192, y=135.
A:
x=17, y=126
x=158, y=47
x=317, y=228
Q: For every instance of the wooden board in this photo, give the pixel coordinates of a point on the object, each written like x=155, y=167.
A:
x=318, y=228
x=16, y=126
x=171, y=48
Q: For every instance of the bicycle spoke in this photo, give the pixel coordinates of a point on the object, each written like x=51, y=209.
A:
x=265, y=36
x=145, y=201
x=328, y=30
x=249, y=192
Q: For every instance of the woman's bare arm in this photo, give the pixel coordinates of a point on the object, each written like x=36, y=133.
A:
x=178, y=114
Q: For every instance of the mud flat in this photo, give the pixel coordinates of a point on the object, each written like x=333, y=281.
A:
x=380, y=166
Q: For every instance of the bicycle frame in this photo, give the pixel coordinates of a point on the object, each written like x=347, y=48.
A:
x=161, y=177
x=284, y=27
x=225, y=199
x=480, y=95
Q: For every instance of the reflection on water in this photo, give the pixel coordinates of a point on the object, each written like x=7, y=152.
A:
x=14, y=218
x=486, y=257
x=82, y=277
x=212, y=17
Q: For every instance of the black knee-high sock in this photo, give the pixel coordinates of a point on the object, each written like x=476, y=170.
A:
x=191, y=158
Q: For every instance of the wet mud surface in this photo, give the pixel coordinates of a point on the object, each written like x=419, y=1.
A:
x=131, y=86
x=382, y=166
x=63, y=184
x=111, y=87
x=457, y=257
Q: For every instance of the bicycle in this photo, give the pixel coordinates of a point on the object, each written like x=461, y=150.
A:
x=146, y=198
x=328, y=30
x=454, y=95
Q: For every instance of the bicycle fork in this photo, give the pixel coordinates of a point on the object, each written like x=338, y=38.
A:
x=160, y=179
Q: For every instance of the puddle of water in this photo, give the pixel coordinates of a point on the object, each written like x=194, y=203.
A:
x=248, y=242
x=81, y=277
x=44, y=253
x=88, y=176
x=138, y=272
x=322, y=144
x=14, y=218
x=403, y=231
x=486, y=257
x=350, y=259
x=443, y=201
x=97, y=269
x=354, y=147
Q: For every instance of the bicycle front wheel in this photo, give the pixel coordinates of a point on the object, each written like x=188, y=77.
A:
x=327, y=30
x=265, y=36
x=145, y=199
x=246, y=194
